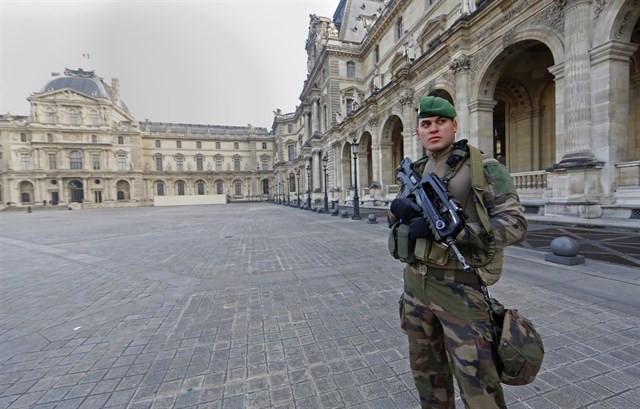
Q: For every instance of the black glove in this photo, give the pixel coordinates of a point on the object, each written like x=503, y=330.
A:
x=405, y=209
x=419, y=229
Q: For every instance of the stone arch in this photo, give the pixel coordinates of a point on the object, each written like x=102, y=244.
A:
x=633, y=150
x=123, y=190
x=200, y=187
x=219, y=184
x=26, y=190
x=347, y=167
x=392, y=147
x=616, y=21
x=521, y=38
x=515, y=105
x=180, y=187
x=159, y=188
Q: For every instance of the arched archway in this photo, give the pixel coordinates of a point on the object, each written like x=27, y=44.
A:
x=159, y=188
x=180, y=187
x=391, y=143
x=219, y=187
x=26, y=192
x=347, y=169
x=123, y=190
x=519, y=106
x=200, y=186
x=633, y=152
x=76, y=191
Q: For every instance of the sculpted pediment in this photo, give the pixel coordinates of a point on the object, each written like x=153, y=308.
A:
x=64, y=95
x=432, y=30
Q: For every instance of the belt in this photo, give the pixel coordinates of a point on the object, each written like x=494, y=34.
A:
x=459, y=275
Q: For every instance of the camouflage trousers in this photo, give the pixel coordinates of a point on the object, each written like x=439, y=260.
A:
x=448, y=326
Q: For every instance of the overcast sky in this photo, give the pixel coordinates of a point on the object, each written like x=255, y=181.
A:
x=204, y=62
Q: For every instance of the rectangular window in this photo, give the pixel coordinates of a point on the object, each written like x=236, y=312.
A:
x=159, y=164
x=376, y=53
x=122, y=162
x=218, y=164
x=95, y=161
x=292, y=152
x=351, y=69
x=289, y=128
x=236, y=145
x=23, y=137
x=49, y=137
x=198, y=145
x=26, y=161
x=217, y=145
x=265, y=164
x=264, y=145
x=53, y=164
x=199, y=165
x=349, y=105
x=236, y=164
x=178, y=144
x=179, y=163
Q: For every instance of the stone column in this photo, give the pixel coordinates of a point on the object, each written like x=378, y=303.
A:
x=85, y=190
x=577, y=69
x=461, y=67
x=316, y=169
x=314, y=117
x=409, y=139
x=61, y=191
x=558, y=72
x=481, y=121
x=610, y=101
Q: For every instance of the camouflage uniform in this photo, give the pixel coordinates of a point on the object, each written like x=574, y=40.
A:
x=443, y=310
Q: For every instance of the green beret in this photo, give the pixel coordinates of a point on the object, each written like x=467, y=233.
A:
x=436, y=106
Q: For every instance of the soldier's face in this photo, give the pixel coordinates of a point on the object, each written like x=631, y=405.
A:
x=436, y=133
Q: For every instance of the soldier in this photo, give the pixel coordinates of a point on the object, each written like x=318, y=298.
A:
x=443, y=309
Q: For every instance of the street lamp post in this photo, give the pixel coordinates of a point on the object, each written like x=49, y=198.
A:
x=356, y=198
x=308, y=187
x=325, y=160
x=298, y=187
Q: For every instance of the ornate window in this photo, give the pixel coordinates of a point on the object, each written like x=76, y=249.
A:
x=23, y=137
x=122, y=162
x=94, y=117
x=120, y=140
x=74, y=117
x=75, y=160
x=180, y=187
x=218, y=163
x=50, y=116
x=179, y=163
x=95, y=161
x=291, y=149
x=219, y=187
x=236, y=164
x=25, y=160
x=265, y=163
x=200, y=187
x=238, y=187
x=53, y=164
x=159, y=163
x=199, y=164
x=264, y=145
x=349, y=105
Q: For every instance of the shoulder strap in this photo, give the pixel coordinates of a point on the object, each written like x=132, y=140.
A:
x=477, y=184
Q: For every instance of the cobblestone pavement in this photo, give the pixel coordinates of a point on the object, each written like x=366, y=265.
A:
x=252, y=306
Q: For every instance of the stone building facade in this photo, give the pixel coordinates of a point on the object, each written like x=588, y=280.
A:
x=80, y=144
x=550, y=88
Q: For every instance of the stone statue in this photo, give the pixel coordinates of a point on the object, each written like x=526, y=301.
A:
x=468, y=6
x=409, y=48
x=377, y=81
x=338, y=117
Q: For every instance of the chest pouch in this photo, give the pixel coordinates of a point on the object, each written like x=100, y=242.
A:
x=400, y=246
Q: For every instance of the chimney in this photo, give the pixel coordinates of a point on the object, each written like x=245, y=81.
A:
x=115, y=87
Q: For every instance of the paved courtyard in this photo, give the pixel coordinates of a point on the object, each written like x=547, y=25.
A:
x=265, y=306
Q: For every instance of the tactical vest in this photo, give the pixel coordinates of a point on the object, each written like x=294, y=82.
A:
x=488, y=264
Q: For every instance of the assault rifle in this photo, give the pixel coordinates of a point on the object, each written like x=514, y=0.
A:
x=443, y=214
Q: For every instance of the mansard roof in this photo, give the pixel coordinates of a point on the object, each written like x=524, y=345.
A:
x=84, y=82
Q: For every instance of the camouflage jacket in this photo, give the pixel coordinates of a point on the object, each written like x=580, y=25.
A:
x=501, y=200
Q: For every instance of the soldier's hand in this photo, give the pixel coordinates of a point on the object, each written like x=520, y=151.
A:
x=405, y=209
x=419, y=229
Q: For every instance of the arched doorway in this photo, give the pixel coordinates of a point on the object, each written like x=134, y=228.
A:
x=180, y=187
x=392, y=147
x=159, y=188
x=523, y=89
x=265, y=186
x=122, y=190
x=26, y=192
x=347, y=170
x=219, y=187
x=200, y=187
x=76, y=191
